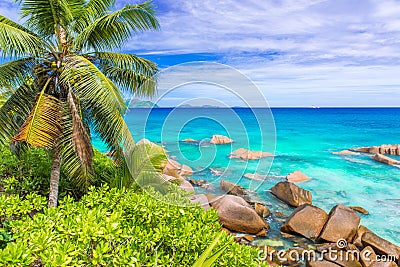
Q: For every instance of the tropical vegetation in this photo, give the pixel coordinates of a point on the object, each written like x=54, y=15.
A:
x=107, y=226
x=66, y=82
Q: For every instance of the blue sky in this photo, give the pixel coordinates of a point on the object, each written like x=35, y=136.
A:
x=299, y=53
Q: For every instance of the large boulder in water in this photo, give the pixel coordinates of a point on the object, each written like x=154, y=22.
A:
x=385, y=159
x=306, y=220
x=380, y=245
x=262, y=210
x=174, y=168
x=220, y=140
x=201, y=199
x=246, y=154
x=231, y=188
x=382, y=149
x=342, y=224
x=291, y=194
x=296, y=177
x=237, y=215
x=345, y=152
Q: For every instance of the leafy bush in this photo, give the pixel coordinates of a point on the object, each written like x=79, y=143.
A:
x=115, y=227
x=30, y=173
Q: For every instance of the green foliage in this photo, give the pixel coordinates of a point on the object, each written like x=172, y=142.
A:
x=207, y=259
x=64, y=76
x=116, y=227
x=30, y=173
x=145, y=163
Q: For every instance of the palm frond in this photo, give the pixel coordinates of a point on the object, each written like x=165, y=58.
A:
x=16, y=109
x=46, y=16
x=77, y=151
x=131, y=81
x=113, y=30
x=91, y=84
x=42, y=127
x=91, y=11
x=144, y=163
x=208, y=258
x=17, y=41
x=80, y=138
x=14, y=73
x=130, y=72
x=102, y=100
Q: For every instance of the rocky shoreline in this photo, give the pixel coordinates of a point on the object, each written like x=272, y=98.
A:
x=309, y=228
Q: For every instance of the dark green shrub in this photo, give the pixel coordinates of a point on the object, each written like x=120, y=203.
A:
x=30, y=173
x=116, y=228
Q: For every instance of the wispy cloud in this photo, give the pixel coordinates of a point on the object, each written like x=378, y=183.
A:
x=303, y=52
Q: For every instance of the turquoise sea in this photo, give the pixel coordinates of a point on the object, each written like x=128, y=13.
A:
x=305, y=140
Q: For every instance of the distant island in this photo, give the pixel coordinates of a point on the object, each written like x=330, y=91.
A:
x=137, y=103
x=202, y=106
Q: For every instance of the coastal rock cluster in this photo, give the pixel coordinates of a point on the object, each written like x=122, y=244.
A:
x=382, y=149
x=249, y=220
x=246, y=154
x=378, y=152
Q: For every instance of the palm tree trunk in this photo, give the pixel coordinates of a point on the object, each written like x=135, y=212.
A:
x=55, y=176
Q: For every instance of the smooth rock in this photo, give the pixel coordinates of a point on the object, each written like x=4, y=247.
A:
x=249, y=238
x=237, y=215
x=190, y=140
x=220, y=140
x=342, y=224
x=343, y=258
x=174, y=168
x=345, y=152
x=357, y=239
x=296, y=177
x=185, y=185
x=321, y=263
x=202, y=199
x=383, y=264
x=367, y=256
x=380, y=245
x=382, y=149
x=385, y=159
x=307, y=221
x=359, y=210
x=262, y=210
x=231, y=188
x=246, y=154
x=262, y=233
x=291, y=194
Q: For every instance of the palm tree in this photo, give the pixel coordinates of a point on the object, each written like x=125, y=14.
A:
x=68, y=80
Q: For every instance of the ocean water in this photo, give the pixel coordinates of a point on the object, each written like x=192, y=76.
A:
x=301, y=139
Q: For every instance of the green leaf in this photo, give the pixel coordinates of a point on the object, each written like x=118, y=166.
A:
x=114, y=30
x=17, y=41
x=207, y=259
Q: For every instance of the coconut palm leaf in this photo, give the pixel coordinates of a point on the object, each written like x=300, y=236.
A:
x=77, y=151
x=102, y=99
x=14, y=73
x=92, y=10
x=15, y=110
x=80, y=138
x=42, y=126
x=131, y=81
x=46, y=17
x=17, y=41
x=207, y=259
x=145, y=165
x=113, y=30
x=91, y=84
